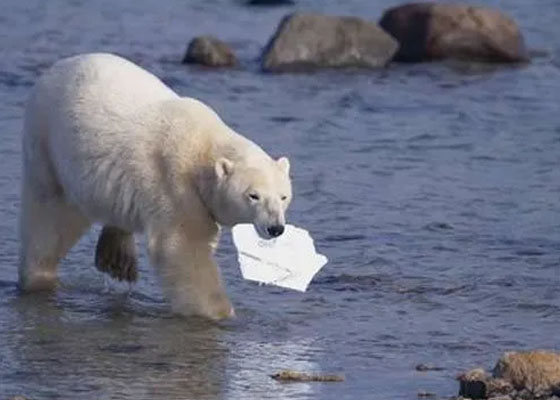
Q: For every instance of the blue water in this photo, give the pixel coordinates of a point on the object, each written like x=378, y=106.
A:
x=433, y=189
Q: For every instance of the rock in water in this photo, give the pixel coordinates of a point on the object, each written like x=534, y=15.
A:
x=474, y=384
x=537, y=371
x=294, y=376
x=427, y=367
x=432, y=31
x=307, y=42
x=477, y=384
x=209, y=51
x=270, y=2
x=533, y=375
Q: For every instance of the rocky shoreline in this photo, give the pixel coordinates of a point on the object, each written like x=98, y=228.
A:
x=414, y=32
x=533, y=375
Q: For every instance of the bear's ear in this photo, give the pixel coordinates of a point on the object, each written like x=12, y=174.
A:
x=284, y=164
x=223, y=167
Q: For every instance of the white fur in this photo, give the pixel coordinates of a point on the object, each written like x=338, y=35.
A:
x=106, y=141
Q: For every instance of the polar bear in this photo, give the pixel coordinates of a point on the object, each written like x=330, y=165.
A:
x=107, y=142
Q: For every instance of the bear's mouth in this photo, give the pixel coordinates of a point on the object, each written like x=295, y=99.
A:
x=262, y=232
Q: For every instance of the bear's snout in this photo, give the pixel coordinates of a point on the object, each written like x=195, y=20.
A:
x=275, y=230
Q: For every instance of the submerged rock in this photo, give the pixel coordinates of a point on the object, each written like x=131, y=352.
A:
x=308, y=41
x=425, y=394
x=294, y=376
x=427, y=367
x=209, y=51
x=270, y=2
x=432, y=31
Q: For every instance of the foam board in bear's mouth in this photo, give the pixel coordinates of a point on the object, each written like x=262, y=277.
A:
x=289, y=260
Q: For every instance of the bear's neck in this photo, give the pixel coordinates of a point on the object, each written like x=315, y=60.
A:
x=236, y=148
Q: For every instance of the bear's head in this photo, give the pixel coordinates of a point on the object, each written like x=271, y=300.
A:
x=253, y=191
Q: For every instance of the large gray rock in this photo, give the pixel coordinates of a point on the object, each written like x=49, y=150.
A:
x=209, y=51
x=432, y=31
x=306, y=42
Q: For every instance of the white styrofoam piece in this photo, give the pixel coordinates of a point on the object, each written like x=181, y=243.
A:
x=289, y=260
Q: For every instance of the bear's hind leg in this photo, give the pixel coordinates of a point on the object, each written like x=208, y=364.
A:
x=115, y=254
x=48, y=229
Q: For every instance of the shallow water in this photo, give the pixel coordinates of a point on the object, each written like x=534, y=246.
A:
x=433, y=189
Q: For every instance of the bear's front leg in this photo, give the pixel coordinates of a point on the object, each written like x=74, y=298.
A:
x=191, y=279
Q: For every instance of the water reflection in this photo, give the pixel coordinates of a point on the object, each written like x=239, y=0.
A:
x=252, y=362
x=114, y=355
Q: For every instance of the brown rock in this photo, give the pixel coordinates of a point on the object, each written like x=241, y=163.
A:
x=306, y=41
x=209, y=51
x=497, y=387
x=537, y=371
x=432, y=31
x=295, y=376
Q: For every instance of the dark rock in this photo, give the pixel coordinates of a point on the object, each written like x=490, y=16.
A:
x=477, y=384
x=307, y=42
x=209, y=51
x=474, y=384
x=270, y=2
x=433, y=31
x=498, y=387
x=424, y=394
x=427, y=367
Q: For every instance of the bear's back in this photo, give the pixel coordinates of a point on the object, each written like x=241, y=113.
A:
x=93, y=114
x=100, y=82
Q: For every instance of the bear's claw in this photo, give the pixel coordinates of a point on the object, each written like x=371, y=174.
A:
x=115, y=254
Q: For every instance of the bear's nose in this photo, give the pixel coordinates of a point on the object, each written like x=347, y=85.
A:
x=275, y=230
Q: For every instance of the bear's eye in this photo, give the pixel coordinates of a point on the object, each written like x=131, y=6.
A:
x=283, y=197
x=254, y=196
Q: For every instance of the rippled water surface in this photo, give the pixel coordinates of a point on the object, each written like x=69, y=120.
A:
x=433, y=189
